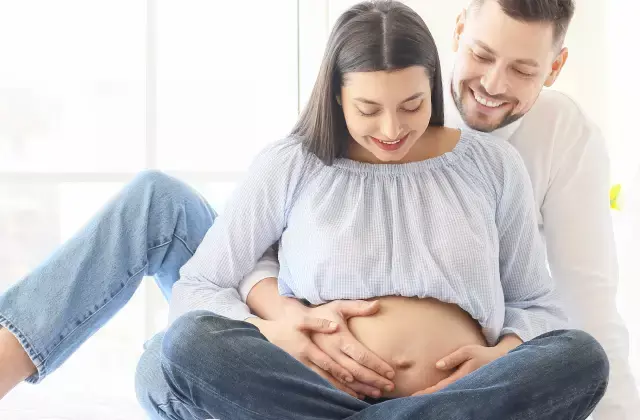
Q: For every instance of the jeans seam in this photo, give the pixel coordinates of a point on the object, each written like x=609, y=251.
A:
x=184, y=243
x=206, y=386
x=24, y=341
x=161, y=409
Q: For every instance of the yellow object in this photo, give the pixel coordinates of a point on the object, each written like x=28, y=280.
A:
x=615, y=200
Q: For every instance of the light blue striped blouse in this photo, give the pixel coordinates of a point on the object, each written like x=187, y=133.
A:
x=460, y=228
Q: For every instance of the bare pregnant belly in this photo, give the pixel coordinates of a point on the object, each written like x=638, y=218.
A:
x=412, y=335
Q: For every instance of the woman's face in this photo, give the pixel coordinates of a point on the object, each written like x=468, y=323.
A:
x=386, y=112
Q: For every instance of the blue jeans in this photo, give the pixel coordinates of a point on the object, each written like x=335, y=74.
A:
x=207, y=366
x=152, y=228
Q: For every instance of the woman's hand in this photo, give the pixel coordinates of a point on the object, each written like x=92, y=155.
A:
x=470, y=358
x=292, y=336
x=371, y=374
x=337, y=356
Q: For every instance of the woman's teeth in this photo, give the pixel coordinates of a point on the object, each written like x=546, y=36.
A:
x=391, y=142
x=487, y=102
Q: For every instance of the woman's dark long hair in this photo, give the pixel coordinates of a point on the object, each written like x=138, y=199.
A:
x=370, y=36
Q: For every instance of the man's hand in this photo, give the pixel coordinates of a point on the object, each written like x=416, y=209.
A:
x=470, y=358
x=371, y=374
x=292, y=336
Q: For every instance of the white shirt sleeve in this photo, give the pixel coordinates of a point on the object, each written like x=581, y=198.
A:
x=267, y=266
x=582, y=258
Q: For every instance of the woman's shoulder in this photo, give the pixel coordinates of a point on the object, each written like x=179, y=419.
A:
x=284, y=162
x=496, y=159
x=490, y=145
x=282, y=155
x=285, y=148
x=493, y=152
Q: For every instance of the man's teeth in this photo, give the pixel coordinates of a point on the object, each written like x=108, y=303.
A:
x=486, y=102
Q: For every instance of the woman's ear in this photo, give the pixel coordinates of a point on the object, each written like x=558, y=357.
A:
x=338, y=100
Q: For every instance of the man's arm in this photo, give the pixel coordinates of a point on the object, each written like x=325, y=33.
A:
x=266, y=303
x=582, y=258
x=259, y=288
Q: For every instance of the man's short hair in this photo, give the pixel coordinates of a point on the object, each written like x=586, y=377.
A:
x=557, y=12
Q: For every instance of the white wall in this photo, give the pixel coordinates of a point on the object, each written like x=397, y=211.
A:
x=621, y=102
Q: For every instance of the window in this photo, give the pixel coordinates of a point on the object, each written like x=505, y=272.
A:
x=91, y=92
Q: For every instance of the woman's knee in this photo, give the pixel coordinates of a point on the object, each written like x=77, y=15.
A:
x=198, y=337
x=156, y=190
x=152, y=389
x=158, y=181
x=589, y=351
x=581, y=352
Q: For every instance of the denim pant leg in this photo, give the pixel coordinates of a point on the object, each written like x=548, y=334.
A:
x=152, y=389
x=152, y=227
x=227, y=370
x=216, y=368
x=561, y=375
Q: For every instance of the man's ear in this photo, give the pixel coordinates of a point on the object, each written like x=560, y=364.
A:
x=556, y=67
x=459, y=28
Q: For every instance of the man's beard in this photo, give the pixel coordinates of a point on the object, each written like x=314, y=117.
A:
x=508, y=119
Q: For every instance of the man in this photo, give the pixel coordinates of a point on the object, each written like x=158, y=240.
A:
x=506, y=51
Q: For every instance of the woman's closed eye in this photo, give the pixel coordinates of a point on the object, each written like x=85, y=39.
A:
x=411, y=106
x=368, y=113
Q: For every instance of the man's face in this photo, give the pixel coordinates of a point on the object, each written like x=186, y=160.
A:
x=501, y=65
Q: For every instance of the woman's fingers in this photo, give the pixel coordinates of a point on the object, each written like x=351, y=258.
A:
x=371, y=383
x=334, y=381
x=374, y=384
x=312, y=324
x=321, y=360
x=326, y=363
x=365, y=357
x=350, y=308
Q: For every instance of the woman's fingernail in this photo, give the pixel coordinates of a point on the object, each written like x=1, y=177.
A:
x=390, y=375
x=388, y=388
x=332, y=324
x=441, y=364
